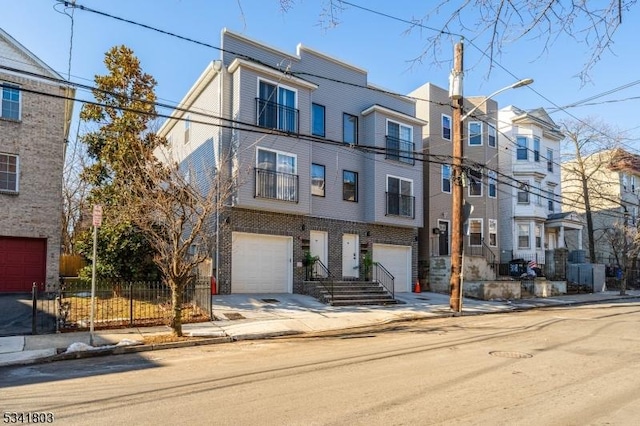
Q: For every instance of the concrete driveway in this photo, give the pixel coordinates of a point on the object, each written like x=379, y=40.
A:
x=16, y=314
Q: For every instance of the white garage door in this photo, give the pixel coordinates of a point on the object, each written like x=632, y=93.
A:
x=397, y=260
x=261, y=263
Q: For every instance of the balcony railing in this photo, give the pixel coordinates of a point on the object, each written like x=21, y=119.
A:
x=400, y=205
x=400, y=150
x=276, y=116
x=276, y=185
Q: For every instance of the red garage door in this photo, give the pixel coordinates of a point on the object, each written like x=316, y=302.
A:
x=22, y=262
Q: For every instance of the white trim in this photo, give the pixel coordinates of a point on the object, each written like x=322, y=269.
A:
x=401, y=179
x=301, y=47
x=228, y=32
x=400, y=124
x=492, y=175
x=442, y=116
x=10, y=85
x=17, y=190
x=27, y=52
x=277, y=85
x=277, y=152
x=442, y=166
x=469, y=133
x=474, y=219
x=278, y=75
x=495, y=136
x=397, y=114
x=481, y=185
x=496, y=229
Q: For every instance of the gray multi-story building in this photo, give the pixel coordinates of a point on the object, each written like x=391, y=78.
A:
x=323, y=162
x=480, y=146
x=34, y=125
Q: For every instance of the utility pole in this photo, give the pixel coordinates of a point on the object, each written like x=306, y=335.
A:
x=456, y=190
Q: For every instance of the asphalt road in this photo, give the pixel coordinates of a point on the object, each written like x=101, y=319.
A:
x=561, y=366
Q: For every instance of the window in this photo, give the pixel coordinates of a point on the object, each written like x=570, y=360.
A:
x=538, y=192
x=523, y=148
x=187, y=129
x=400, y=198
x=317, y=180
x=493, y=183
x=492, y=136
x=549, y=160
x=475, y=183
x=475, y=232
x=550, y=200
x=536, y=148
x=399, y=142
x=633, y=184
x=523, y=193
x=523, y=236
x=10, y=101
x=349, y=129
x=446, y=178
x=446, y=127
x=475, y=133
x=538, y=236
x=276, y=107
x=493, y=232
x=350, y=186
x=9, y=173
x=624, y=182
x=317, y=120
x=275, y=175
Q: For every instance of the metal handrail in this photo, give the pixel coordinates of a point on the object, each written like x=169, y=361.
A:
x=384, y=277
x=325, y=278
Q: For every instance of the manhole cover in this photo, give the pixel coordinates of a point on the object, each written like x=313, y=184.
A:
x=504, y=354
x=270, y=300
x=234, y=316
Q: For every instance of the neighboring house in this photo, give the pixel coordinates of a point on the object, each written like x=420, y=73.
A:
x=34, y=125
x=531, y=200
x=294, y=127
x=480, y=148
x=614, y=186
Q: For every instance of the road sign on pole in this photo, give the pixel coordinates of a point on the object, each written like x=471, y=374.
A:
x=97, y=215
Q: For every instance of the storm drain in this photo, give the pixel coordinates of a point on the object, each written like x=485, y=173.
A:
x=234, y=316
x=270, y=300
x=504, y=354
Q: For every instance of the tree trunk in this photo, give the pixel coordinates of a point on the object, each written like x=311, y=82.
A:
x=176, y=303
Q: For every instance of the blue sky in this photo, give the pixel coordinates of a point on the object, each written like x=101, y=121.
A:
x=378, y=44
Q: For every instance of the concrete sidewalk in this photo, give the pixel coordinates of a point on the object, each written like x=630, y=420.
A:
x=244, y=317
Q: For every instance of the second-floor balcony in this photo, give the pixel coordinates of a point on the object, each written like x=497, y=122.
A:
x=400, y=150
x=273, y=115
x=276, y=185
x=400, y=205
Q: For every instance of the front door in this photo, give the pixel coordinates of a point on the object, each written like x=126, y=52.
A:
x=319, y=248
x=350, y=263
x=443, y=238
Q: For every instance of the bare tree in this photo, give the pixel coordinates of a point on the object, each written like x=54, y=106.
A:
x=586, y=167
x=178, y=212
x=74, y=195
x=493, y=24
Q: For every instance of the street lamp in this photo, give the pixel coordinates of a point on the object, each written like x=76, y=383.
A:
x=455, y=91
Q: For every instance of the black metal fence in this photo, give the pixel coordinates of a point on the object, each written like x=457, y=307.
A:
x=128, y=304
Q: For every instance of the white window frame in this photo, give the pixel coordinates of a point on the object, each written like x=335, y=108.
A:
x=550, y=160
x=16, y=173
x=481, y=222
x=404, y=156
x=493, y=230
x=11, y=86
x=492, y=136
x=471, y=135
x=526, y=190
x=523, y=227
x=283, y=192
x=493, y=183
x=525, y=148
x=536, y=149
x=401, y=179
x=442, y=124
x=479, y=184
x=538, y=236
x=442, y=178
x=277, y=100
